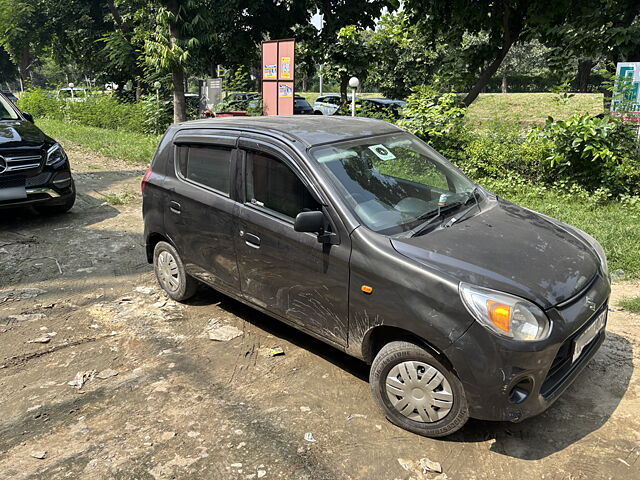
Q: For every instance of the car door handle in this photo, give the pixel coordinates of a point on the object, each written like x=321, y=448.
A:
x=175, y=207
x=250, y=239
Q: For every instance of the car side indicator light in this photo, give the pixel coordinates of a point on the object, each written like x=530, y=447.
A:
x=500, y=315
x=366, y=289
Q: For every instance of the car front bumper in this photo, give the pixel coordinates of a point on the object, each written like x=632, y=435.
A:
x=507, y=380
x=52, y=186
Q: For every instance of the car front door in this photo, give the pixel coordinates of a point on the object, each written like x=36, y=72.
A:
x=200, y=214
x=288, y=273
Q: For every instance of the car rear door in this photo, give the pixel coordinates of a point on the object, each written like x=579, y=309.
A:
x=289, y=273
x=201, y=205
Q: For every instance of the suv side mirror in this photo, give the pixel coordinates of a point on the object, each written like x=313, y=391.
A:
x=312, y=222
x=28, y=116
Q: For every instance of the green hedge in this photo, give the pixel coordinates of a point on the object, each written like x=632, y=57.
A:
x=101, y=110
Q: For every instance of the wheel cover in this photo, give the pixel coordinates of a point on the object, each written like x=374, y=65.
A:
x=168, y=272
x=419, y=391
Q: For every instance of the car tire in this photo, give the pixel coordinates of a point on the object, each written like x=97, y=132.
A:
x=407, y=378
x=171, y=273
x=317, y=112
x=57, y=209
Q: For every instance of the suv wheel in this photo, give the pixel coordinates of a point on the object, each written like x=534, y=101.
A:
x=416, y=391
x=171, y=274
x=57, y=209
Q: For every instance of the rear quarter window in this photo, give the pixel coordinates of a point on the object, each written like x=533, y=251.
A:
x=207, y=166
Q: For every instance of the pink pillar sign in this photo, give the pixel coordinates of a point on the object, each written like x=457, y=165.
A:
x=278, y=76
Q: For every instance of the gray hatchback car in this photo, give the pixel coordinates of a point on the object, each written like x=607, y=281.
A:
x=358, y=233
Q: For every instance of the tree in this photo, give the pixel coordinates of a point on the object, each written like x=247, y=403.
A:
x=22, y=32
x=401, y=55
x=505, y=23
x=337, y=14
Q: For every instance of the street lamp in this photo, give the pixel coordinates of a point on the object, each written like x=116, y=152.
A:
x=157, y=86
x=354, y=83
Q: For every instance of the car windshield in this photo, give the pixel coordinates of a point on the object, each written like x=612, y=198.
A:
x=393, y=183
x=6, y=112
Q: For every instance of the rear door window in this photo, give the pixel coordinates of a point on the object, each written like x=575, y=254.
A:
x=272, y=185
x=207, y=166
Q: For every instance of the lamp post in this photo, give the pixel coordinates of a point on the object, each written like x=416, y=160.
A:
x=157, y=86
x=354, y=83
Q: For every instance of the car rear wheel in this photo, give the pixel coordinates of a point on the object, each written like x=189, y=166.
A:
x=171, y=274
x=416, y=391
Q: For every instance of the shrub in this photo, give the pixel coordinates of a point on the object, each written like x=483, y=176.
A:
x=593, y=152
x=435, y=118
x=40, y=104
x=157, y=115
x=501, y=150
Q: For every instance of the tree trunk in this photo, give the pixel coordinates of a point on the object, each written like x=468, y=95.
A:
x=25, y=66
x=179, y=104
x=344, y=83
x=511, y=30
x=177, y=73
x=488, y=72
x=584, y=71
x=505, y=86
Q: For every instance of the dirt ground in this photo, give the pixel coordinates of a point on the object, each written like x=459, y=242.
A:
x=184, y=406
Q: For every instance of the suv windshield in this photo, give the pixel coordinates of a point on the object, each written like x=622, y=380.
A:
x=6, y=112
x=393, y=183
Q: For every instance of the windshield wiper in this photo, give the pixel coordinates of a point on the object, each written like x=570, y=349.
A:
x=431, y=219
x=472, y=194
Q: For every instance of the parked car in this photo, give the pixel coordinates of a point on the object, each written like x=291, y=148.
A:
x=465, y=304
x=76, y=94
x=330, y=105
x=327, y=104
x=301, y=106
x=34, y=169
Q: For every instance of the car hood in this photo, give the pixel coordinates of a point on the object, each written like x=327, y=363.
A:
x=511, y=249
x=21, y=133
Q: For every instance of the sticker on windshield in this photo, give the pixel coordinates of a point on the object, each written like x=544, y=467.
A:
x=382, y=152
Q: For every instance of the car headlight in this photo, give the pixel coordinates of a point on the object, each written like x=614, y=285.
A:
x=505, y=315
x=56, y=155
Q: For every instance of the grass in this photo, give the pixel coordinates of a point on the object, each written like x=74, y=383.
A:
x=530, y=108
x=134, y=148
x=119, y=198
x=631, y=304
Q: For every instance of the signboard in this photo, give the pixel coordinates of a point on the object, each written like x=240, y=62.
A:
x=285, y=67
x=285, y=90
x=278, y=75
x=625, y=101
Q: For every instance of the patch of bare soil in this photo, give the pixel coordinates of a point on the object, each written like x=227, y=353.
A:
x=102, y=376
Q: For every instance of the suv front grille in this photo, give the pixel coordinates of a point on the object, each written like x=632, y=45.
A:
x=20, y=160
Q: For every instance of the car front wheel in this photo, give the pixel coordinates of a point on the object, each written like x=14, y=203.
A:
x=416, y=391
x=171, y=273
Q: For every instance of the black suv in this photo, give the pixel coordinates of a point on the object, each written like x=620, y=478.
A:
x=34, y=169
x=360, y=234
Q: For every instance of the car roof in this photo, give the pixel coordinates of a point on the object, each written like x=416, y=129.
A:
x=310, y=130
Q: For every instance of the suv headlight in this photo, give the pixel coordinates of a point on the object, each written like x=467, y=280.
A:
x=56, y=155
x=505, y=315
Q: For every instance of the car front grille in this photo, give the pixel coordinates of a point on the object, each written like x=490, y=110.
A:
x=20, y=160
x=562, y=364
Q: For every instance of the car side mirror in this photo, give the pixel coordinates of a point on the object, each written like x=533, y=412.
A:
x=312, y=222
x=28, y=116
